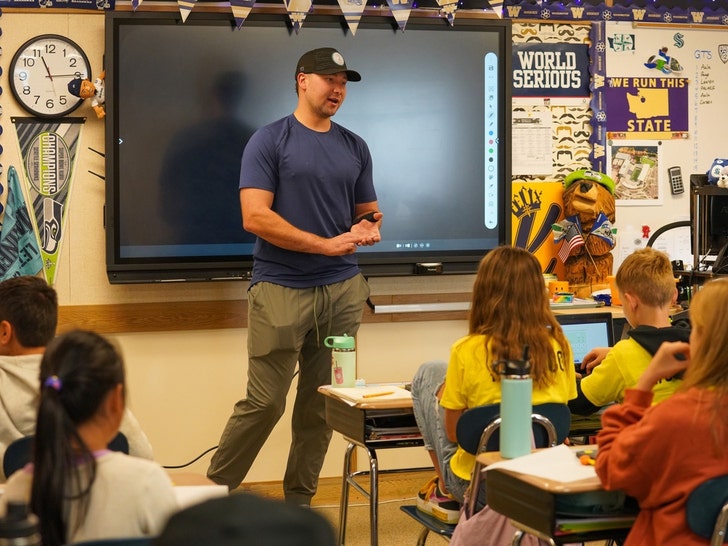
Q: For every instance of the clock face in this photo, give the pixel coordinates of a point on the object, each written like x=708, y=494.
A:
x=40, y=71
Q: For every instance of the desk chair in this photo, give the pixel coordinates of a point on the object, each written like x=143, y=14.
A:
x=20, y=452
x=706, y=510
x=551, y=424
x=475, y=431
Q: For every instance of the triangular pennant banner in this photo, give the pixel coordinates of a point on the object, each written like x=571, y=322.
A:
x=135, y=4
x=19, y=252
x=448, y=9
x=241, y=9
x=352, y=11
x=185, y=7
x=497, y=7
x=400, y=11
x=297, y=11
x=48, y=150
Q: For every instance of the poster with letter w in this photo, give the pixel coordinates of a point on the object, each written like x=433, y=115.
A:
x=48, y=149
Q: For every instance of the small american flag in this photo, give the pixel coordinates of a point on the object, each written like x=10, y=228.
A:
x=572, y=239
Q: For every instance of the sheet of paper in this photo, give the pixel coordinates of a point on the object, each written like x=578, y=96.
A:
x=531, y=139
x=371, y=393
x=187, y=495
x=558, y=463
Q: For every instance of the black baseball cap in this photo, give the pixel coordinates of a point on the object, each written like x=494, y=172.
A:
x=325, y=60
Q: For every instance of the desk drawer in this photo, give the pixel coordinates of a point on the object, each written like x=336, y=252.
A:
x=536, y=509
x=379, y=428
x=520, y=501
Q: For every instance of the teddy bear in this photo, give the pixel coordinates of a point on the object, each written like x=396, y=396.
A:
x=587, y=229
x=723, y=178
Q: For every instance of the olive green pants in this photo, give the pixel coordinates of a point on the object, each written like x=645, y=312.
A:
x=287, y=326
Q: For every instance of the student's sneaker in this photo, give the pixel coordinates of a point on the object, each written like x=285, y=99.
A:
x=435, y=503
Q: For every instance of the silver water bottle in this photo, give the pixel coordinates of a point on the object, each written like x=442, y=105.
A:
x=19, y=527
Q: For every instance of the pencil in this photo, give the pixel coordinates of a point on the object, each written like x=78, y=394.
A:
x=374, y=394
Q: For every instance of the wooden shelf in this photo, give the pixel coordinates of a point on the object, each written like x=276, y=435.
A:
x=211, y=315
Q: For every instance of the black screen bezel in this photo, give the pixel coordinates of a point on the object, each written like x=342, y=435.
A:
x=142, y=270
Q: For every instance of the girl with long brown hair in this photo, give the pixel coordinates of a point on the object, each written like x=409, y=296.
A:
x=509, y=310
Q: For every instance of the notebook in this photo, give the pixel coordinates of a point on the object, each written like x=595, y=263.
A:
x=586, y=331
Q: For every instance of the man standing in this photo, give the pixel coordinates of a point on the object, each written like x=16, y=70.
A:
x=306, y=192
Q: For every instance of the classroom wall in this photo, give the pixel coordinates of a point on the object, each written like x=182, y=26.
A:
x=182, y=385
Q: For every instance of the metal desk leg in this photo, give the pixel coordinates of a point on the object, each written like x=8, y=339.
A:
x=372, y=494
x=344, y=503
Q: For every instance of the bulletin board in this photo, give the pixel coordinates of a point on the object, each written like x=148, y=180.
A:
x=684, y=73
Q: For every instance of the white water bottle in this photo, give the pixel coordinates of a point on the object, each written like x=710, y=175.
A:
x=516, y=406
x=343, y=360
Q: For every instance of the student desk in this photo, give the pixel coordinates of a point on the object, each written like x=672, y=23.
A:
x=191, y=488
x=530, y=503
x=372, y=425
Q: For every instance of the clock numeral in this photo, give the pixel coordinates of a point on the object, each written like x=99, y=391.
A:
x=26, y=90
x=28, y=62
x=49, y=104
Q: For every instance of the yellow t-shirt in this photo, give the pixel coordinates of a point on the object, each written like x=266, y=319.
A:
x=470, y=383
x=620, y=370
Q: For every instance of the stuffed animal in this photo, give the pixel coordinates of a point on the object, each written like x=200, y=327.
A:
x=723, y=178
x=587, y=229
x=94, y=90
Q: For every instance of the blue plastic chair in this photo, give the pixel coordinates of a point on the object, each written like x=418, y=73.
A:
x=706, y=510
x=20, y=452
x=476, y=433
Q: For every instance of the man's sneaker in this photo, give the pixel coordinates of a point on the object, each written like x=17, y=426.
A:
x=433, y=502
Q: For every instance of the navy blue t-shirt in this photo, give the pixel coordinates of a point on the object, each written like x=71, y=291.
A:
x=317, y=179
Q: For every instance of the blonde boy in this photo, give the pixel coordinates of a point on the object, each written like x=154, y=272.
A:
x=646, y=286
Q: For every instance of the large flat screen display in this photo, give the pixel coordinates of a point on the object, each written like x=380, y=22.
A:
x=183, y=98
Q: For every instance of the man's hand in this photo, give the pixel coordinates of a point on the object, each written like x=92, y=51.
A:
x=346, y=243
x=592, y=359
x=367, y=231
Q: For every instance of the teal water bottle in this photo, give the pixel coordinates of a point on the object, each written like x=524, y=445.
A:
x=516, y=407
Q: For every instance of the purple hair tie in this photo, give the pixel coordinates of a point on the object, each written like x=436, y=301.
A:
x=54, y=382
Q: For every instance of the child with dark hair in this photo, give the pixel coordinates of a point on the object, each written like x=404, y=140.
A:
x=77, y=487
x=28, y=320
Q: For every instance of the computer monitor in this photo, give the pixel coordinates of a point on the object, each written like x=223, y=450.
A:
x=586, y=331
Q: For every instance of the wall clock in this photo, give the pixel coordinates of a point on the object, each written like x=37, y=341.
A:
x=40, y=71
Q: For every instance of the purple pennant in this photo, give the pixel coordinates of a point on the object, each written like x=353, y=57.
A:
x=241, y=9
x=400, y=11
x=297, y=11
x=352, y=11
